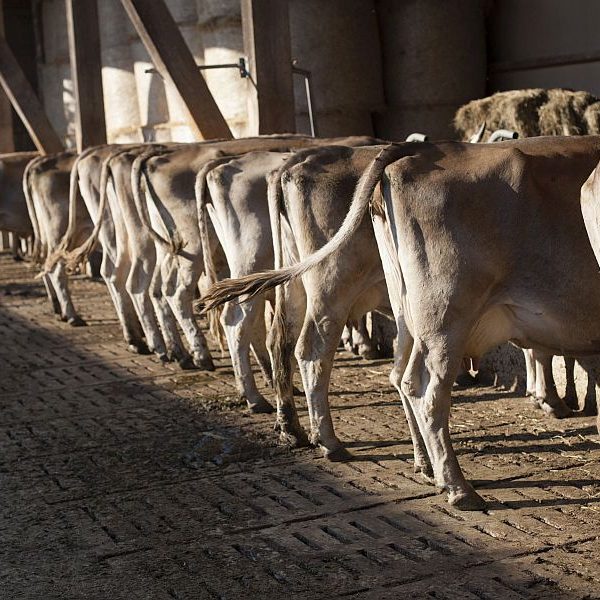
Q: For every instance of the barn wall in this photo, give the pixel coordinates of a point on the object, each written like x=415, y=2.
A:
x=139, y=106
x=379, y=66
x=543, y=29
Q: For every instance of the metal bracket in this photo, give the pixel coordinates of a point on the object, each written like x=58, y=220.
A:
x=240, y=65
x=245, y=74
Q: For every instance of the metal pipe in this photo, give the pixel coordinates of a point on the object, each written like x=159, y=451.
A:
x=416, y=137
x=309, y=99
x=503, y=134
x=241, y=65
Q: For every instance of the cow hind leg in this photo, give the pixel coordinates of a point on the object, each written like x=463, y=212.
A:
x=51, y=295
x=180, y=298
x=570, y=398
x=168, y=324
x=590, y=408
x=361, y=340
x=60, y=283
x=422, y=462
x=130, y=326
x=347, y=338
x=287, y=319
x=530, y=376
x=259, y=337
x=546, y=393
x=137, y=284
x=237, y=324
x=427, y=384
x=315, y=352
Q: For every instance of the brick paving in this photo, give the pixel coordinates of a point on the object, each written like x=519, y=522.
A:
x=124, y=478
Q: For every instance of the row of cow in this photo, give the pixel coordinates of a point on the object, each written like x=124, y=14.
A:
x=464, y=246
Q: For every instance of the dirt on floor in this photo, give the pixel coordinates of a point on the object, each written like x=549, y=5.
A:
x=122, y=478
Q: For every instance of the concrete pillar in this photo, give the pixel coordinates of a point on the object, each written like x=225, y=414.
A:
x=338, y=42
x=434, y=60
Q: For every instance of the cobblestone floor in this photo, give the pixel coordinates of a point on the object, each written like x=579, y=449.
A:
x=122, y=478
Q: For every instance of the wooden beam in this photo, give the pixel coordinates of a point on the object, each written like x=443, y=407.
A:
x=86, y=70
x=266, y=28
x=174, y=61
x=7, y=138
x=26, y=103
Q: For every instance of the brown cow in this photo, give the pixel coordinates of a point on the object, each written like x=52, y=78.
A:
x=480, y=244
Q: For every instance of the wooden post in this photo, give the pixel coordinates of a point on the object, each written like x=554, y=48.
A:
x=26, y=103
x=174, y=61
x=86, y=70
x=7, y=139
x=266, y=29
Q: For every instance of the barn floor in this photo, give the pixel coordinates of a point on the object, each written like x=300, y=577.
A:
x=122, y=478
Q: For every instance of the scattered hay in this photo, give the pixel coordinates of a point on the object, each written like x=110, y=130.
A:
x=531, y=112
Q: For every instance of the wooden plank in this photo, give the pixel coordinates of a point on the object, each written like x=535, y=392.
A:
x=174, y=61
x=26, y=103
x=86, y=69
x=266, y=31
x=7, y=139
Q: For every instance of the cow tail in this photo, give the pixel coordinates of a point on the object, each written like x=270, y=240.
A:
x=37, y=250
x=228, y=289
x=79, y=255
x=210, y=271
x=137, y=171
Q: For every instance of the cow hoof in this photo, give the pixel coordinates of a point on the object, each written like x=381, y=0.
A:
x=260, y=406
x=204, y=363
x=59, y=317
x=368, y=353
x=426, y=472
x=187, y=363
x=138, y=348
x=466, y=380
x=467, y=500
x=533, y=401
x=143, y=348
x=76, y=322
x=560, y=411
x=590, y=410
x=572, y=401
x=293, y=439
x=297, y=391
x=339, y=454
x=163, y=358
